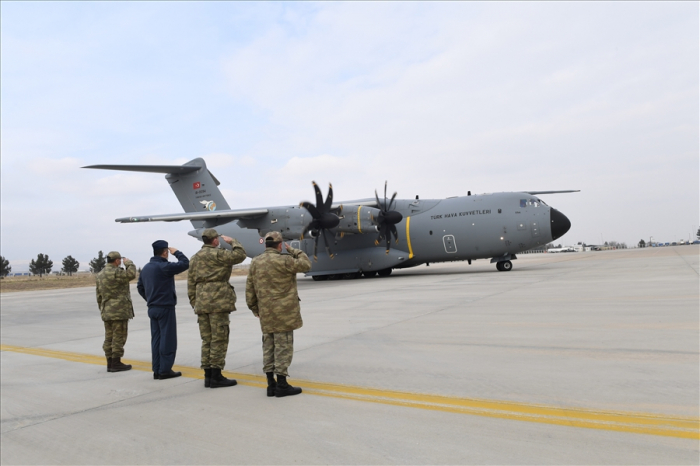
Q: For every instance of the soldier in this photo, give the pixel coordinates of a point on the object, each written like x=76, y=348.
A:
x=114, y=301
x=157, y=286
x=271, y=293
x=213, y=299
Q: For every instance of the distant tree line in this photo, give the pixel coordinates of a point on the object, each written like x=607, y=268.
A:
x=42, y=265
x=6, y=267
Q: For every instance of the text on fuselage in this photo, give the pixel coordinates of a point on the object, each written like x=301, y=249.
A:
x=460, y=214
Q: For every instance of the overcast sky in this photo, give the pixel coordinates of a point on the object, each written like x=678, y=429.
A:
x=436, y=98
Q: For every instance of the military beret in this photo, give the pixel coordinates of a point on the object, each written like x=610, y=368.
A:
x=210, y=233
x=160, y=244
x=273, y=237
x=114, y=255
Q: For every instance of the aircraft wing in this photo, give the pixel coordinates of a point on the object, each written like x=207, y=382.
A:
x=552, y=192
x=229, y=214
x=370, y=202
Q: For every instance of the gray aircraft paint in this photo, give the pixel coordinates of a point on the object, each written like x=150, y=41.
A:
x=484, y=226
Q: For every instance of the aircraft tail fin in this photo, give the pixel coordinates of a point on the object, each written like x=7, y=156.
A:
x=194, y=185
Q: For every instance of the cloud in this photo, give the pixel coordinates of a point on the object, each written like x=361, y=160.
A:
x=54, y=168
x=437, y=99
x=313, y=166
x=221, y=160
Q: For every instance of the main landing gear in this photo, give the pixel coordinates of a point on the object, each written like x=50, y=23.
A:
x=504, y=266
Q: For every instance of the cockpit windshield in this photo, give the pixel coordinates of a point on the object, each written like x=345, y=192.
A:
x=532, y=202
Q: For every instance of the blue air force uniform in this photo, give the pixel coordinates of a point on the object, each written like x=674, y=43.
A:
x=157, y=286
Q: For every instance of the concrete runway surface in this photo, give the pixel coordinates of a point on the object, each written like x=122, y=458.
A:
x=580, y=358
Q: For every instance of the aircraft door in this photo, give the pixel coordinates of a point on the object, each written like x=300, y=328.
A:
x=449, y=242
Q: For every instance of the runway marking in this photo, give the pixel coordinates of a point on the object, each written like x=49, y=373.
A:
x=630, y=422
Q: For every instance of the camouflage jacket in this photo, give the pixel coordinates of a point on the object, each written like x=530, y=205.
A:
x=207, y=279
x=113, y=295
x=271, y=289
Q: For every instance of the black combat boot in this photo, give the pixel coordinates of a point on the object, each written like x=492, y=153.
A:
x=207, y=378
x=119, y=366
x=169, y=375
x=218, y=380
x=271, y=383
x=284, y=389
x=109, y=364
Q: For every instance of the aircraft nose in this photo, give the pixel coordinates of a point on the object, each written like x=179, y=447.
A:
x=559, y=223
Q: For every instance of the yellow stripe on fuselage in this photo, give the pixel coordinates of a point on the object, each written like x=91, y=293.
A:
x=408, y=237
x=359, y=227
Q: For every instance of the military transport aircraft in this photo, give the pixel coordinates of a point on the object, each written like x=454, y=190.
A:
x=357, y=235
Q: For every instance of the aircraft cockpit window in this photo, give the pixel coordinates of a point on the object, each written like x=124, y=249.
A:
x=530, y=202
x=542, y=202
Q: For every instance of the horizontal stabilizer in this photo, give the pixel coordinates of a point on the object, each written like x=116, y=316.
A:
x=195, y=187
x=227, y=214
x=553, y=192
x=175, y=169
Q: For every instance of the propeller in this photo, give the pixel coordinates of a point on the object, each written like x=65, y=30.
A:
x=324, y=218
x=387, y=220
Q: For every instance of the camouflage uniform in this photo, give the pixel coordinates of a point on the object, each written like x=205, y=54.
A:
x=271, y=293
x=213, y=298
x=114, y=301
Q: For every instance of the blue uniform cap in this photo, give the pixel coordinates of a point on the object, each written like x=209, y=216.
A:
x=160, y=244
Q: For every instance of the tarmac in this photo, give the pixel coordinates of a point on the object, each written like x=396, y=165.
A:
x=572, y=358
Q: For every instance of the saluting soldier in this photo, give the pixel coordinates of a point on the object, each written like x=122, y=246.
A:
x=271, y=293
x=114, y=301
x=157, y=286
x=213, y=298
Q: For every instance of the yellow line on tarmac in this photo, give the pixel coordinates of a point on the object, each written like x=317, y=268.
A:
x=639, y=423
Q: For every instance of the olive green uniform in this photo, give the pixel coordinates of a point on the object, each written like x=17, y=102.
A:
x=212, y=297
x=271, y=293
x=114, y=301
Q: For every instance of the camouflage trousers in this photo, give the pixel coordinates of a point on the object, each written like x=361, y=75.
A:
x=214, y=329
x=116, y=332
x=278, y=349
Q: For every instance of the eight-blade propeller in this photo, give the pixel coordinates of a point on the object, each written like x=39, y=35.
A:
x=387, y=220
x=324, y=218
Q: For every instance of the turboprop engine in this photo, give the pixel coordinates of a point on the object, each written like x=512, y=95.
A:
x=290, y=221
x=358, y=219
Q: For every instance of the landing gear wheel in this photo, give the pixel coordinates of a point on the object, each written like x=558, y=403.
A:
x=384, y=272
x=319, y=278
x=505, y=266
x=370, y=274
x=498, y=266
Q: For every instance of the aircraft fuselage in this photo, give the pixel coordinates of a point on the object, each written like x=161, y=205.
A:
x=483, y=226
